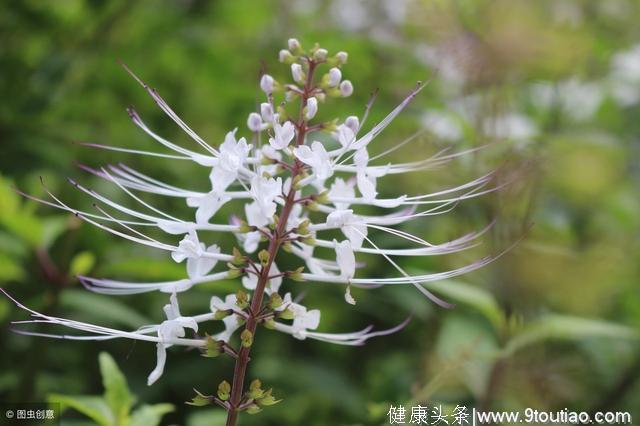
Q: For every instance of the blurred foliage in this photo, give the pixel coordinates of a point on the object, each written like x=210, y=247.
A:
x=114, y=407
x=552, y=84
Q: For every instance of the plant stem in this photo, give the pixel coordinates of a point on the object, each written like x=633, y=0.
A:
x=275, y=242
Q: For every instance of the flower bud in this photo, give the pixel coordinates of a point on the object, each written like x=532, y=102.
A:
x=264, y=257
x=290, y=96
x=253, y=409
x=254, y=122
x=266, y=84
x=346, y=88
x=224, y=390
x=286, y=57
x=320, y=54
x=286, y=314
x=342, y=57
x=312, y=108
x=238, y=258
x=335, y=75
x=246, y=337
x=266, y=111
x=267, y=399
x=242, y=299
x=200, y=400
x=213, y=348
x=297, y=274
x=234, y=273
x=275, y=301
x=294, y=46
x=269, y=323
x=297, y=73
x=221, y=314
x=352, y=123
x=255, y=390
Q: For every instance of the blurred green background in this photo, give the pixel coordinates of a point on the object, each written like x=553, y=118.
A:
x=556, y=84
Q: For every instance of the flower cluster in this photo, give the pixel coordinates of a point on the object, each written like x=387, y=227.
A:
x=296, y=179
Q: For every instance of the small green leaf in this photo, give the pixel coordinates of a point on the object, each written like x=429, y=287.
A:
x=472, y=296
x=150, y=415
x=116, y=390
x=93, y=407
x=82, y=263
x=565, y=327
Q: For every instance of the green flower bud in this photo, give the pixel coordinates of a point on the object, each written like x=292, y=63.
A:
x=221, y=314
x=323, y=197
x=264, y=257
x=242, y=299
x=199, y=400
x=234, y=273
x=224, y=390
x=275, y=301
x=255, y=390
x=269, y=323
x=246, y=337
x=285, y=314
x=244, y=227
x=297, y=274
x=267, y=399
x=213, y=348
x=238, y=258
x=253, y=409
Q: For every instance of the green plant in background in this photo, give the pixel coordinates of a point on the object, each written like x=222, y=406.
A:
x=116, y=406
x=553, y=82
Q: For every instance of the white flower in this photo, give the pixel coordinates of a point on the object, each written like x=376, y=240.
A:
x=341, y=189
x=190, y=248
x=352, y=226
x=346, y=88
x=335, y=75
x=366, y=181
x=312, y=108
x=283, y=135
x=346, y=136
x=169, y=330
x=264, y=191
x=345, y=258
x=231, y=322
x=316, y=157
x=297, y=73
x=207, y=205
x=233, y=154
x=266, y=84
x=303, y=320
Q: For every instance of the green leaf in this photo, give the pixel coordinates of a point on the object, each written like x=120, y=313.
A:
x=82, y=263
x=150, y=415
x=52, y=228
x=102, y=308
x=116, y=390
x=472, y=296
x=93, y=407
x=565, y=327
